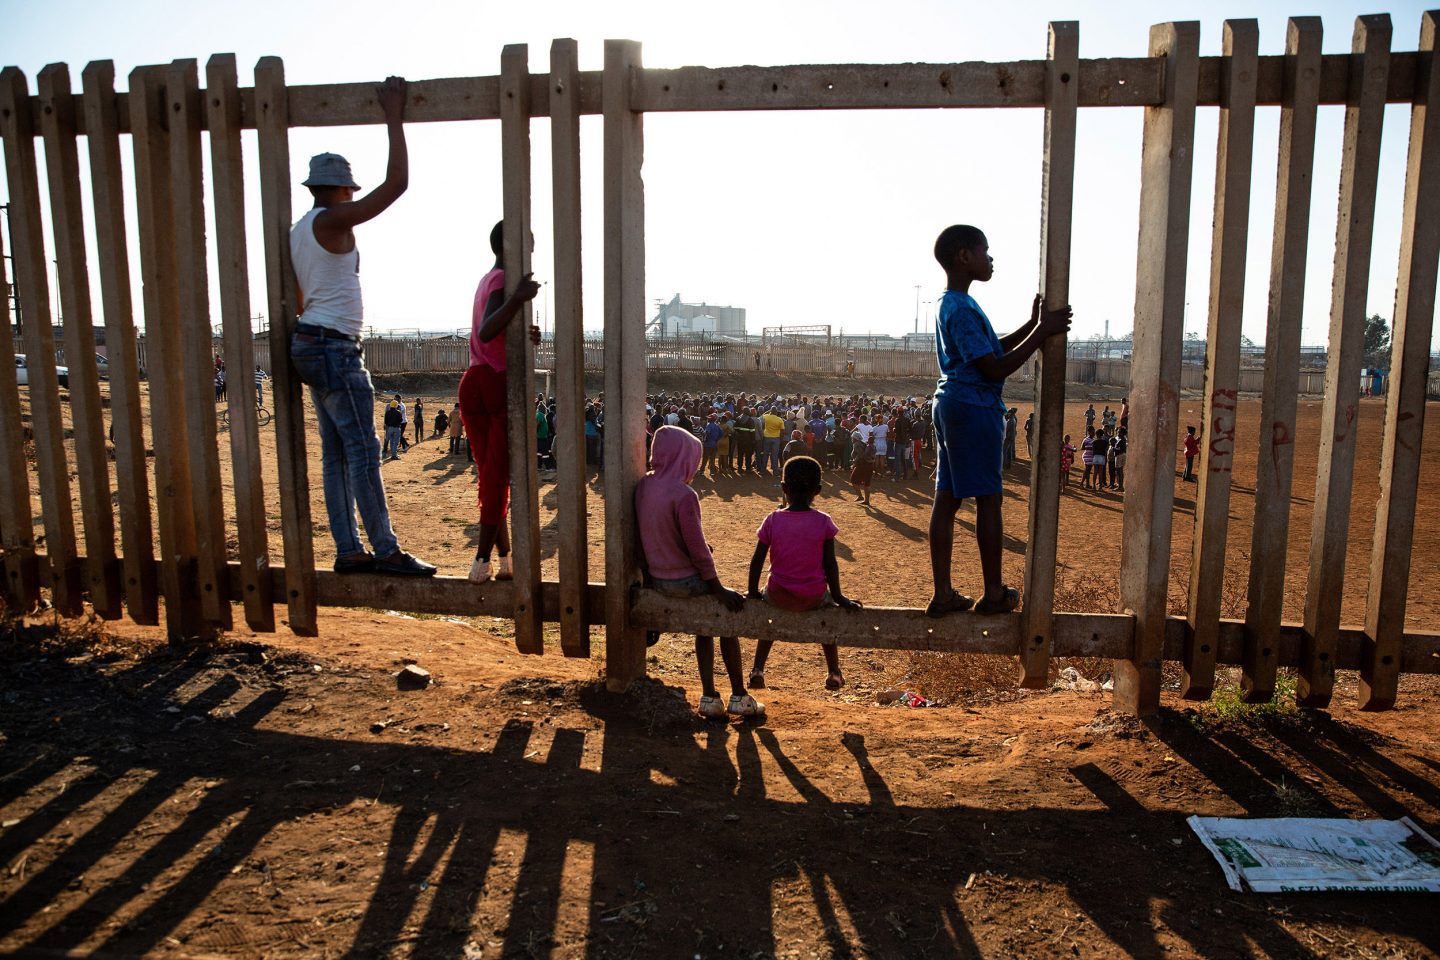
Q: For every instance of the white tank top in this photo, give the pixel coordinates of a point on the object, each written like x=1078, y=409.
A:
x=329, y=282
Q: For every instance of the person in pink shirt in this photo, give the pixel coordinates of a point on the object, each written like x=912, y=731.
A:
x=483, y=407
x=800, y=542
x=676, y=560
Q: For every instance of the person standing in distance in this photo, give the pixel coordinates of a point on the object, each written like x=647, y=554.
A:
x=325, y=347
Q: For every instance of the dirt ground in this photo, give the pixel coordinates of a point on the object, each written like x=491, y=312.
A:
x=279, y=796
x=288, y=800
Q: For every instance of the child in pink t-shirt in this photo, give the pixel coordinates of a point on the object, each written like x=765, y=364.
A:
x=801, y=544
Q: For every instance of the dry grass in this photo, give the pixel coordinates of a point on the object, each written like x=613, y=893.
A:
x=47, y=634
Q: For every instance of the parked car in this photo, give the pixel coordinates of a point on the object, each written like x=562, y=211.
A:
x=102, y=363
x=22, y=375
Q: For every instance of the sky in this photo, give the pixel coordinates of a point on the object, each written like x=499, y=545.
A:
x=799, y=217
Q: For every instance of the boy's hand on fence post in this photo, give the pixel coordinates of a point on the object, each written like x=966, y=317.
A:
x=845, y=603
x=1055, y=321
x=754, y=595
x=526, y=289
x=391, y=95
x=1035, y=308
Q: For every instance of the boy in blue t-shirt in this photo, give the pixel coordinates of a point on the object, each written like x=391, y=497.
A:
x=970, y=416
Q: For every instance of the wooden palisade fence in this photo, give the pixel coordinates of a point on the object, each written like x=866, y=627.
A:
x=165, y=110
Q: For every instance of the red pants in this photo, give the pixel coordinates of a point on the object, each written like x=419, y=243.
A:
x=482, y=409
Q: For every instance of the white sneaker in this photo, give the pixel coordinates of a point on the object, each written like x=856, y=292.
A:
x=505, y=572
x=711, y=708
x=746, y=706
x=479, y=571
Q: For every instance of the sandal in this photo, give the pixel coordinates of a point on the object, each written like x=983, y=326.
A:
x=1009, y=600
x=834, y=681
x=958, y=603
x=757, y=680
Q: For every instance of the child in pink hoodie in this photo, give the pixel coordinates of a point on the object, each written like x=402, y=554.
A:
x=676, y=560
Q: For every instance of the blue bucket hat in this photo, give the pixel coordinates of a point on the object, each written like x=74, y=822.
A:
x=330, y=170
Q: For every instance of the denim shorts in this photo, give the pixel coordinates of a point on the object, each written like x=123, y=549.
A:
x=691, y=586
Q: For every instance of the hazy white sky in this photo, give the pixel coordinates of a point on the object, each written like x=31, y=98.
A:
x=819, y=217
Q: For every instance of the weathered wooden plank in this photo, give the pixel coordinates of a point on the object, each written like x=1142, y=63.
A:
x=460, y=98
x=1330, y=530
x=1057, y=194
x=850, y=86
x=132, y=478
x=1228, y=250
x=161, y=298
x=1168, y=151
x=21, y=589
x=31, y=279
x=1105, y=81
x=1405, y=396
x=227, y=167
x=58, y=129
x=1274, y=469
x=519, y=351
x=288, y=394
x=567, y=311
x=196, y=372
x=624, y=359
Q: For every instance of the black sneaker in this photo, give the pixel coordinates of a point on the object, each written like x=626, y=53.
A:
x=402, y=564
x=361, y=563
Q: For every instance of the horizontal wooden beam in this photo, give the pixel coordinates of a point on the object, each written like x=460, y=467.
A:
x=1104, y=635
x=1104, y=82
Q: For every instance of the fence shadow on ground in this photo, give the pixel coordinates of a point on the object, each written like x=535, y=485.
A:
x=884, y=877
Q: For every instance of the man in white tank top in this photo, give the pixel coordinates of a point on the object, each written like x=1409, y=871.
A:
x=325, y=349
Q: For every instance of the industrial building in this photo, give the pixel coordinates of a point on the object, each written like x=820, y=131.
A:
x=674, y=318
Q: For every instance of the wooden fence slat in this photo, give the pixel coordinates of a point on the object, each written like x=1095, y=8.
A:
x=1405, y=395
x=228, y=170
x=161, y=296
x=1233, y=161
x=21, y=590
x=132, y=478
x=519, y=352
x=625, y=312
x=566, y=306
x=1274, y=468
x=31, y=278
x=196, y=372
x=1167, y=157
x=1056, y=202
x=272, y=126
x=1330, y=531
x=62, y=161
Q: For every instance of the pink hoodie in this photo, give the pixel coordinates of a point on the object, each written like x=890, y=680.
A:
x=668, y=509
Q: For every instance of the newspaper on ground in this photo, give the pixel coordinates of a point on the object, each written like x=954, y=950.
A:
x=1296, y=854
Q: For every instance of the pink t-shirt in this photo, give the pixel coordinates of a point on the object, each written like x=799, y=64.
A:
x=796, y=539
x=490, y=354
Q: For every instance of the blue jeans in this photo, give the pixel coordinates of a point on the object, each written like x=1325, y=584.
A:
x=349, y=452
x=392, y=442
x=771, y=452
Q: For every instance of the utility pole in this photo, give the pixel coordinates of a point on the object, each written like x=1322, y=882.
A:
x=917, y=308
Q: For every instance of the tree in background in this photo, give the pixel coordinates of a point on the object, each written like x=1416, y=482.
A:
x=1377, y=342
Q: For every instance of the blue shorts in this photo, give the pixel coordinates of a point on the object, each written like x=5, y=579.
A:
x=969, y=447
